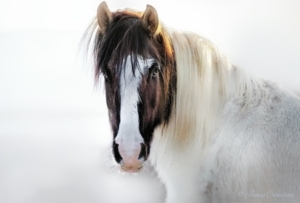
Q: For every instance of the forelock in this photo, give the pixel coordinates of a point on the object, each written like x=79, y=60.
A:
x=125, y=36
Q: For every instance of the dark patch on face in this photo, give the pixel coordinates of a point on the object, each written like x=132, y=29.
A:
x=125, y=36
x=116, y=152
x=144, y=151
x=152, y=103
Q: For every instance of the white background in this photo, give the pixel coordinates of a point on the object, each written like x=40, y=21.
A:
x=54, y=133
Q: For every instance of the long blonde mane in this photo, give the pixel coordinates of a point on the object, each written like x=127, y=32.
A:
x=205, y=80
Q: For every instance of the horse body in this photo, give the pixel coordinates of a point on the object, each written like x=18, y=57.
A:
x=212, y=132
x=252, y=156
x=247, y=150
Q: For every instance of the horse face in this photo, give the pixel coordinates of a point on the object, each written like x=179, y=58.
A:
x=137, y=62
x=135, y=101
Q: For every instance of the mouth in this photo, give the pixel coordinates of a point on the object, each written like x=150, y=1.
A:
x=131, y=168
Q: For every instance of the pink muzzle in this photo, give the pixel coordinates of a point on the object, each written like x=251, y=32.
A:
x=130, y=153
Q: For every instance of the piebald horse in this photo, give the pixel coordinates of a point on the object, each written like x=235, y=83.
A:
x=212, y=132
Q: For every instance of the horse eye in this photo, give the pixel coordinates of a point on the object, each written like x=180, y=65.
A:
x=154, y=70
x=155, y=73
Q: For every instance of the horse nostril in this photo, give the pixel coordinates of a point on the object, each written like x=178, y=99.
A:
x=116, y=153
x=143, y=152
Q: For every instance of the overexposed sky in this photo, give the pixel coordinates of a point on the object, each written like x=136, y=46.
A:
x=39, y=39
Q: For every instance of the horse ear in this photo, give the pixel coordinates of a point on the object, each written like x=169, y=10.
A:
x=150, y=19
x=104, y=16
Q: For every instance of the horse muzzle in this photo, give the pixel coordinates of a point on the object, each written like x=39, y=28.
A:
x=130, y=153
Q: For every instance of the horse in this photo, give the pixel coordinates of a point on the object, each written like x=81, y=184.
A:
x=213, y=132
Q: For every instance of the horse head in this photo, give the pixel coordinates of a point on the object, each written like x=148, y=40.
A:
x=136, y=58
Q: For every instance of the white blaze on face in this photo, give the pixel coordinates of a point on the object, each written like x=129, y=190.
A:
x=129, y=137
